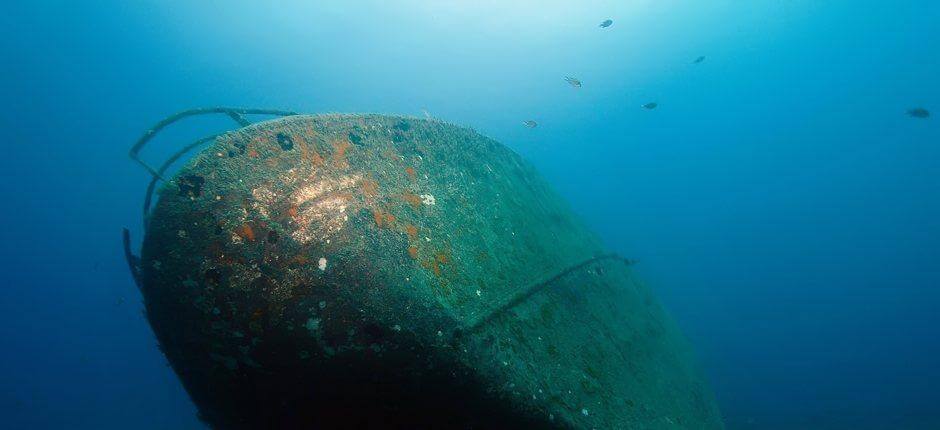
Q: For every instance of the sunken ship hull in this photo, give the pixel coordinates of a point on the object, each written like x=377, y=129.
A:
x=368, y=271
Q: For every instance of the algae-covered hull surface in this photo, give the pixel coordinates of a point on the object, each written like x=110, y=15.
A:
x=367, y=271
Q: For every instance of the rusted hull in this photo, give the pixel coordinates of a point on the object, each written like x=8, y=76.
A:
x=374, y=271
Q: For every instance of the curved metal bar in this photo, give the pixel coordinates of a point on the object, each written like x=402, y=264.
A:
x=239, y=119
x=166, y=165
x=234, y=113
x=133, y=261
x=535, y=288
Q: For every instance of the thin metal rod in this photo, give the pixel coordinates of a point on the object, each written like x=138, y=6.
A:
x=239, y=119
x=133, y=261
x=166, y=165
x=234, y=113
x=532, y=290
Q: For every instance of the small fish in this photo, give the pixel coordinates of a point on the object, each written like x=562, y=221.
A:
x=918, y=113
x=606, y=23
x=699, y=60
x=650, y=106
x=530, y=123
x=574, y=82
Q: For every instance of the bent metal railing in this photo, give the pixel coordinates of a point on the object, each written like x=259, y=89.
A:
x=236, y=114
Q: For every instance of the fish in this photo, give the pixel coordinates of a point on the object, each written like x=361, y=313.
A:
x=530, y=123
x=699, y=60
x=574, y=82
x=650, y=106
x=606, y=23
x=918, y=113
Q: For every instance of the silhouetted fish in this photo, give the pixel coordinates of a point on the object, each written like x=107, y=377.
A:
x=699, y=60
x=919, y=113
x=573, y=81
x=606, y=23
x=650, y=106
x=530, y=123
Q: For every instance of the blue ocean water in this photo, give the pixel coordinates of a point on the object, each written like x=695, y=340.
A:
x=779, y=199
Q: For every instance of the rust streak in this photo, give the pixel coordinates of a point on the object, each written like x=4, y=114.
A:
x=308, y=153
x=412, y=231
x=246, y=232
x=370, y=188
x=378, y=216
x=412, y=199
x=339, y=153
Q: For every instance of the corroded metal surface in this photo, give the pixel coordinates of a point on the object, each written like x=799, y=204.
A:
x=346, y=270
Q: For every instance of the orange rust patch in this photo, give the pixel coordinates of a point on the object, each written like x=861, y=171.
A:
x=411, y=230
x=370, y=188
x=411, y=172
x=253, y=154
x=292, y=211
x=315, y=158
x=378, y=216
x=413, y=252
x=433, y=266
x=341, y=146
x=308, y=153
x=246, y=232
x=339, y=152
x=309, y=133
x=412, y=199
x=382, y=218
